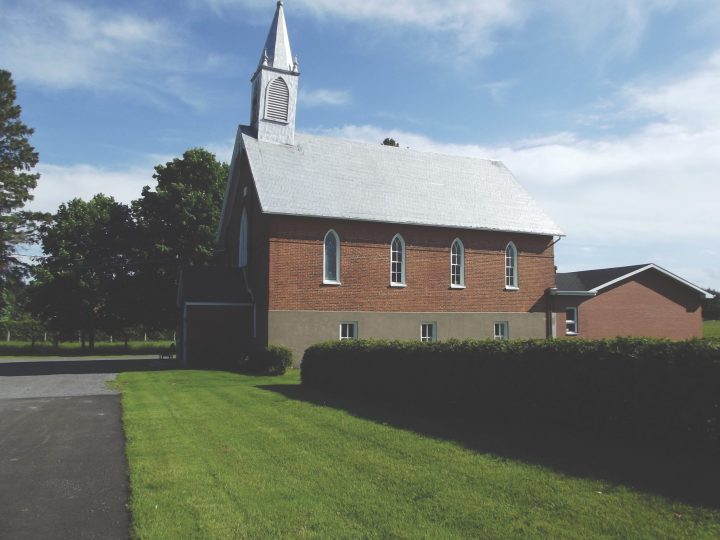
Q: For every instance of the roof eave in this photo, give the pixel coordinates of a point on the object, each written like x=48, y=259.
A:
x=416, y=224
x=680, y=280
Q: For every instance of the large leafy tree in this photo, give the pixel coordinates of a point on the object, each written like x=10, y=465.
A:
x=178, y=220
x=84, y=282
x=17, y=159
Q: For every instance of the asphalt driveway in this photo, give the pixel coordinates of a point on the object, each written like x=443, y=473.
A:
x=63, y=471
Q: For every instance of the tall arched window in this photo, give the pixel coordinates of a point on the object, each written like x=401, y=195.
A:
x=511, y=267
x=278, y=100
x=243, y=242
x=397, y=261
x=457, y=264
x=331, y=258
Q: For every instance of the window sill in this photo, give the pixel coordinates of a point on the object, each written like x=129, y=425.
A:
x=457, y=286
x=398, y=285
x=508, y=288
x=571, y=333
x=332, y=283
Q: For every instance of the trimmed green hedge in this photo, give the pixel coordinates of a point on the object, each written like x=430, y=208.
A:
x=637, y=390
x=271, y=360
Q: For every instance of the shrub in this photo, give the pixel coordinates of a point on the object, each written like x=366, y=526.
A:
x=272, y=360
x=635, y=390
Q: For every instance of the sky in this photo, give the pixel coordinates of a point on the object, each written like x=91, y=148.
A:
x=608, y=113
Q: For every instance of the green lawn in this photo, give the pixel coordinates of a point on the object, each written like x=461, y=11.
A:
x=221, y=455
x=711, y=329
x=104, y=348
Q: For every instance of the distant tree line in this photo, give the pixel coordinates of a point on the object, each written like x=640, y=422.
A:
x=108, y=268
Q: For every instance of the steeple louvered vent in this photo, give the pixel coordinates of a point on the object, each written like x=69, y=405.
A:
x=278, y=99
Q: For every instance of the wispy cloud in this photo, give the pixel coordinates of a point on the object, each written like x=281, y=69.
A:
x=60, y=183
x=323, y=97
x=61, y=45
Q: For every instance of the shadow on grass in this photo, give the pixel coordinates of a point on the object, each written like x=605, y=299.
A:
x=692, y=480
x=80, y=366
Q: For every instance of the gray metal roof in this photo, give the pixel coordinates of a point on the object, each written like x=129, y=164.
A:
x=277, y=51
x=334, y=178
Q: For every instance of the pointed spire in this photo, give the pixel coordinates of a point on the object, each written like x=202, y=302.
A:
x=277, y=47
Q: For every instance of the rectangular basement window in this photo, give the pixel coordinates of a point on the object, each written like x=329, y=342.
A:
x=348, y=330
x=502, y=330
x=428, y=332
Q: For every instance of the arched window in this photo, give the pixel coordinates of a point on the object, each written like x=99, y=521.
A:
x=331, y=258
x=457, y=264
x=243, y=243
x=511, y=267
x=397, y=261
x=278, y=99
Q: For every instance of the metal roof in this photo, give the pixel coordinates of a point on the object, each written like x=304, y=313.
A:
x=277, y=52
x=593, y=281
x=334, y=178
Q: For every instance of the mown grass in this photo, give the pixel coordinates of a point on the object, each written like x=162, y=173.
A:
x=711, y=329
x=43, y=348
x=221, y=455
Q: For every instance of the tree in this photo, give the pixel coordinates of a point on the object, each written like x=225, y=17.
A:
x=178, y=222
x=17, y=159
x=391, y=142
x=711, y=307
x=83, y=284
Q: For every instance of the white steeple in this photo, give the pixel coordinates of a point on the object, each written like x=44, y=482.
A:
x=277, y=53
x=275, y=86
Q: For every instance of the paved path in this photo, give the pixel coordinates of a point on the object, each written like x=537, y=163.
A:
x=63, y=472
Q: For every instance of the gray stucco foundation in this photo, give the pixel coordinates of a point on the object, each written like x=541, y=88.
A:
x=300, y=329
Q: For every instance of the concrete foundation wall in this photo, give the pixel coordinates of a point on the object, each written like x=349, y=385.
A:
x=300, y=329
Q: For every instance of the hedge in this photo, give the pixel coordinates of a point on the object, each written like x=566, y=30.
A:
x=271, y=360
x=636, y=390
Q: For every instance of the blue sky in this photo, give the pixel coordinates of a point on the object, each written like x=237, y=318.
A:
x=607, y=112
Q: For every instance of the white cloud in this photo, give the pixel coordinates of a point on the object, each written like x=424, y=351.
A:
x=60, y=183
x=471, y=23
x=324, y=97
x=61, y=45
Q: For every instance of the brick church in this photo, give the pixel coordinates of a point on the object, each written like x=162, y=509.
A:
x=328, y=239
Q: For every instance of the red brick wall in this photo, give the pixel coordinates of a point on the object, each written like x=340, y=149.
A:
x=647, y=305
x=296, y=267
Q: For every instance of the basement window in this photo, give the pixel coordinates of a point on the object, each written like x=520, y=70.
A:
x=348, y=330
x=428, y=332
x=502, y=331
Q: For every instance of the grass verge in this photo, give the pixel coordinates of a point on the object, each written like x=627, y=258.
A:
x=711, y=329
x=221, y=455
x=23, y=348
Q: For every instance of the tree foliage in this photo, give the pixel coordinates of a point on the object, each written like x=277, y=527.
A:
x=178, y=221
x=711, y=307
x=391, y=142
x=84, y=282
x=17, y=159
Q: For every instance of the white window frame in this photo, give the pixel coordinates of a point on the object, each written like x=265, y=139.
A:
x=403, y=262
x=574, y=322
x=348, y=324
x=501, y=330
x=243, y=241
x=327, y=281
x=511, y=267
x=424, y=337
x=460, y=264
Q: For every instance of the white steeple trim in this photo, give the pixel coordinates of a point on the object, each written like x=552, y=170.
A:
x=277, y=52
